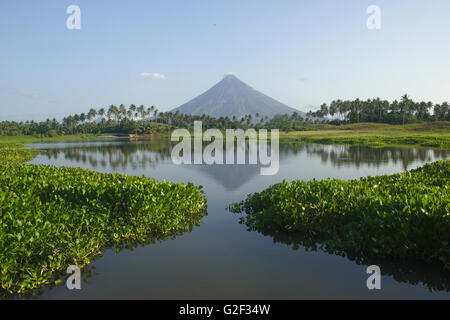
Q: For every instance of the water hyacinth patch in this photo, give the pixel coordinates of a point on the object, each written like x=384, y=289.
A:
x=399, y=216
x=51, y=218
x=15, y=153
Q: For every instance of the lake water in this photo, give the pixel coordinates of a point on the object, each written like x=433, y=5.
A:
x=220, y=259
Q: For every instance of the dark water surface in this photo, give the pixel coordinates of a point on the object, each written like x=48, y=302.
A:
x=220, y=259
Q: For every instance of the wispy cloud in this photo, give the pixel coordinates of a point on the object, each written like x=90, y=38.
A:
x=33, y=95
x=28, y=94
x=152, y=75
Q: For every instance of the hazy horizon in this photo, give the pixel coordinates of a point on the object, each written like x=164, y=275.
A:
x=301, y=53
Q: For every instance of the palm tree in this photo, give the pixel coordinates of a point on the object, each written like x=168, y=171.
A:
x=342, y=107
x=101, y=112
x=113, y=112
x=324, y=110
x=141, y=111
x=332, y=109
x=169, y=118
x=385, y=105
x=404, y=106
x=76, y=118
x=395, y=106
x=132, y=108
x=445, y=109
x=122, y=111
x=91, y=114
x=149, y=111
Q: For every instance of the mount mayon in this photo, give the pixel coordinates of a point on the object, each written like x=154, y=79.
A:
x=232, y=97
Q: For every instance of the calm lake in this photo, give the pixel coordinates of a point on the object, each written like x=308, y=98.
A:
x=220, y=259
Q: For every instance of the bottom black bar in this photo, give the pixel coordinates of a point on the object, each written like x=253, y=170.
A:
x=232, y=309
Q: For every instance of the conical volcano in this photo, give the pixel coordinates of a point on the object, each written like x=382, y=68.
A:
x=232, y=97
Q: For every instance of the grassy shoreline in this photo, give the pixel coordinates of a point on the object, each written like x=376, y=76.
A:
x=433, y=141
x=31, y=139
x=435, y=135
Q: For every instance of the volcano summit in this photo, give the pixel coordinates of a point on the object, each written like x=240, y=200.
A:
x=232, y=97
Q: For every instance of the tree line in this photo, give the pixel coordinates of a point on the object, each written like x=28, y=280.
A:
x=132, y=119
x=376, y=110
x=143, y=120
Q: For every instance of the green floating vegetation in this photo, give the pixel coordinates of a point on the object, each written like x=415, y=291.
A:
x=15, y=153
x=399, y=216
x=51, y=217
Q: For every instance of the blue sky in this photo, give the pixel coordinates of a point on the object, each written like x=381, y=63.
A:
x=302, y=53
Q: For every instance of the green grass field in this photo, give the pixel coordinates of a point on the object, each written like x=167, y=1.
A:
x=32, y=139
x=431, y=134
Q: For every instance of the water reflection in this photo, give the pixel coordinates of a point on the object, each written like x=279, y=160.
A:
x=356, y=156
x=432, y=276
x=133, y=155
x=114, y=155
